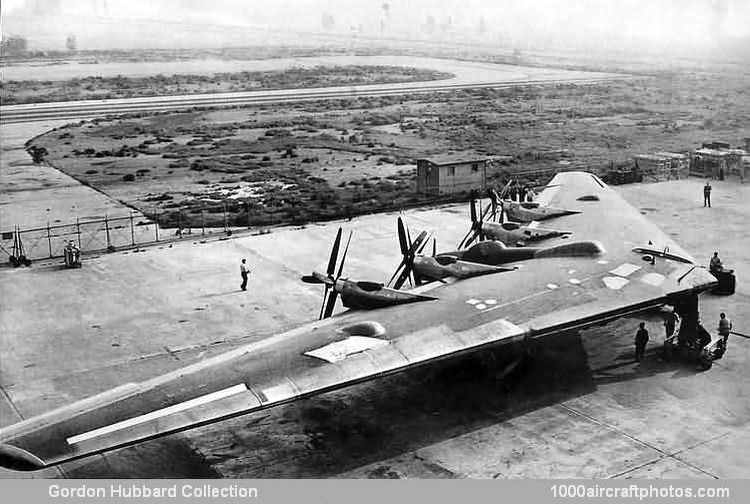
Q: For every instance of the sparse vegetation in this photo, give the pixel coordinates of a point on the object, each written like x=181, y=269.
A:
x=98, y=88
x=311, y=161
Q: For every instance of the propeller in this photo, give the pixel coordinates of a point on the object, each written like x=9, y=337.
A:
x=409, y=250
x=476, y=224
x=330, y=295
x=477, y=230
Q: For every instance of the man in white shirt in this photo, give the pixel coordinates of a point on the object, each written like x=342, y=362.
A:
x=244, y=272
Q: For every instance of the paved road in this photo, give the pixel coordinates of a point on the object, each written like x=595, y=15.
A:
x=467, y=75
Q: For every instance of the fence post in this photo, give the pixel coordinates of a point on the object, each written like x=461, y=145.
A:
x=49, y=241
x=106, y=225
x=78, y=232
x=156, y=227
x=179, y=222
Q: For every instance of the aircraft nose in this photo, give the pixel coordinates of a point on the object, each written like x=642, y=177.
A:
x=18, y=459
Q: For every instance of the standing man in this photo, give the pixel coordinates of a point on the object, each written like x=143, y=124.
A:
x=641, y=338
x=725, y=326
x=715, y=265
x=707, y=195
x=244, y=271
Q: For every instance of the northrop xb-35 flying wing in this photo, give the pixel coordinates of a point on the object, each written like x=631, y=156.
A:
x=543, y=295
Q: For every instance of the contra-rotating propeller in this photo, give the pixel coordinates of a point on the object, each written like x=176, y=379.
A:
x=476, y=229
x=409, y=251
x=329, y=298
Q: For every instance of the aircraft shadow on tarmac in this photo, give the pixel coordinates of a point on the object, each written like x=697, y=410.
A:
x=337, y=432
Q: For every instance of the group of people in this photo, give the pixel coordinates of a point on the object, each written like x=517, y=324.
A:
x=521, y=193
x=670, y=323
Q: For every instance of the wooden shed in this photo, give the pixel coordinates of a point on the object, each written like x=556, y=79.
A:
x=451, y=173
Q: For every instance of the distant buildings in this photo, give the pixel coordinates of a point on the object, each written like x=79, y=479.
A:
x=662, y=166
x=718, y=160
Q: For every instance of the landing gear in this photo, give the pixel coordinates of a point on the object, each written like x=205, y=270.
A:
x=693, y=343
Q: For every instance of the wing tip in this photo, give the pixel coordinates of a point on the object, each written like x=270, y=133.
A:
x=18, y=459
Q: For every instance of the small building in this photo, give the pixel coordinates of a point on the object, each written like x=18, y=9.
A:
x=679, y=164
x=652, y=167
x=717, y=163
x=451, y=173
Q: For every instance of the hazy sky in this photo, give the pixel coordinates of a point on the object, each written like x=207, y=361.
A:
x=115, y=23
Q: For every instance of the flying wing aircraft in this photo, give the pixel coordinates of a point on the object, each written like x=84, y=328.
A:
x=544, y=295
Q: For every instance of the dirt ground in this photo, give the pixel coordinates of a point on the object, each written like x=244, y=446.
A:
x=316, y=161
x=583, y=408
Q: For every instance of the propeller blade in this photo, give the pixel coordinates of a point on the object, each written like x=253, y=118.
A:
x=331, y=304
x=506, y=188
x=403, y=277
x=464, y=243
x=473, y=237
x=322, y=306
x=473, y=210
x=334, y=254
x=311, y=279
x=424, y=243
x=485, y=212
x=480, y=228
x=343, y=258
x=417, y=243
x=434, y=247
x=402, y=237
x=395, y=274
x=408, y=237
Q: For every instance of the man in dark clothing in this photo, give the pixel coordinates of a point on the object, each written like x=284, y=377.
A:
x=707, y=195
x=725, y=327
x=244, y=271
x=715, y=265
x=641, y=338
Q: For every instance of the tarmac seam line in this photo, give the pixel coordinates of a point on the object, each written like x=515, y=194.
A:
x=674, y=456
x=664, y=453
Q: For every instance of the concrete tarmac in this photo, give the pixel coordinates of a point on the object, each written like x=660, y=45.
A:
x=581, y=408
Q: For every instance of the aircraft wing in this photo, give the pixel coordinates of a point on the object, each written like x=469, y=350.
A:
x=541, y=297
